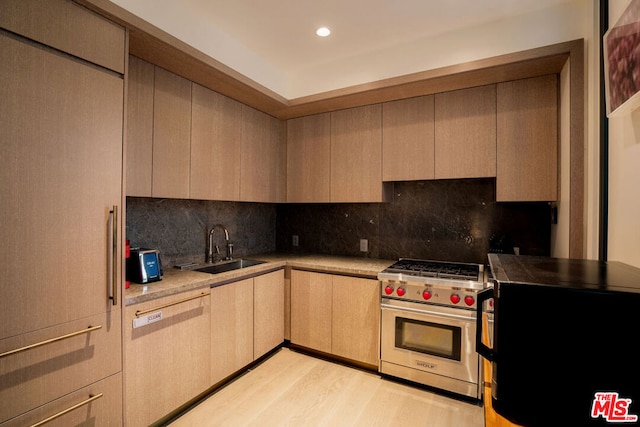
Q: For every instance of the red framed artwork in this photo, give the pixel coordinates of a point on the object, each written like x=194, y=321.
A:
x=622, y=62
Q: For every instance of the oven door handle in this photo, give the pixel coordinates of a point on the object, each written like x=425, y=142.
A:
x=422, y=311
x=482, y=348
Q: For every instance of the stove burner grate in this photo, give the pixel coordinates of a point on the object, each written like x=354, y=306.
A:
x=439, y=269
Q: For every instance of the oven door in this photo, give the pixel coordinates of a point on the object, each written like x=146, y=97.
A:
x=431, y=339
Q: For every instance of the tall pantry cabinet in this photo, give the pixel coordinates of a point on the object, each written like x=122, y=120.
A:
x=61, y=138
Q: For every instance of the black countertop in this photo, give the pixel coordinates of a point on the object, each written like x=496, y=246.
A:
x=575, y=273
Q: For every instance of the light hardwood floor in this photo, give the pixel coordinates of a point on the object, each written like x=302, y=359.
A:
x=293, y=389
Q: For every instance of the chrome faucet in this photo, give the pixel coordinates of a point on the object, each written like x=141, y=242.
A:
x=213, y=251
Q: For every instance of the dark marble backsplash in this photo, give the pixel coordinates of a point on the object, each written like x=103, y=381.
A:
x=179, y=228
x=455, y=220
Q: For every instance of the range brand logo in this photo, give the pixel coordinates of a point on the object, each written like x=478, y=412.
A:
x=612, y=408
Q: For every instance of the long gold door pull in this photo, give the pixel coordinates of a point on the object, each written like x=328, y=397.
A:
x=63, y=337
x=141, y=312
x=61, y=413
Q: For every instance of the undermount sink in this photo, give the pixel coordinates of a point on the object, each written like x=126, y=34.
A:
x=228, y=266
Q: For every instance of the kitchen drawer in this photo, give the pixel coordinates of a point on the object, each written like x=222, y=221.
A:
x=99, y=404
x=38, y=375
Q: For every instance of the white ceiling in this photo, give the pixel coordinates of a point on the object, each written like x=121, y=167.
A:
x=275, y=40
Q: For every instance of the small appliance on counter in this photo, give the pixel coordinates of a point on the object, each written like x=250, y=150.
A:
x=564, y=341
x=144, y=265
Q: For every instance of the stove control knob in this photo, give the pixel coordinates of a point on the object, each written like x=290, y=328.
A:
x=455, y=298
x=388, y=289
x=400, y=292
x=469, y=300
x=426, y=295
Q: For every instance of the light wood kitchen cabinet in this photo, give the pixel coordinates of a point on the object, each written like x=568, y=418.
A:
x=268, y=312
x=61, y=127
x=356, y=319
x=356, y=155
x=311, y=310
x=215, y=148
x=68, y=27
x=336, y=314
x=89, y=353
x=167, y=354
x=408, y=139
x=247, y=321
x=527, y=140
x=171, y=135
x=263, y=157
x=231, y=328
x=309, y=159
x=140, y=128
x=99, y=404
x=465, y=133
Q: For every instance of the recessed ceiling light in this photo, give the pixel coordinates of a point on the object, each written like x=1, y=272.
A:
x=323, y=31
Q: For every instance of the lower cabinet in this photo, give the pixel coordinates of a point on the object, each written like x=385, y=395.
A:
x=336, y=314
x=98, y=404
x=39, y=367
x=247, y=321
x=231, y=328
x=167, y=354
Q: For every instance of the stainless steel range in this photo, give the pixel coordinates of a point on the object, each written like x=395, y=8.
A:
x=428, y=328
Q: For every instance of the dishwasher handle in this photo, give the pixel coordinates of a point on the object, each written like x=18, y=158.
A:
x=481, y=348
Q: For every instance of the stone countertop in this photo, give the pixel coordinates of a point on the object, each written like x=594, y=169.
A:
x=176, y=281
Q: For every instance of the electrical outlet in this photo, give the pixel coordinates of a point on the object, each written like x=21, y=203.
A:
x=364, y=245
x=294, y=240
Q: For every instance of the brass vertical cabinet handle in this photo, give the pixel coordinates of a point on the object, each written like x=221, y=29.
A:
x=112, y=253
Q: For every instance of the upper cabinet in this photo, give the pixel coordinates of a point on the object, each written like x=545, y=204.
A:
x=356, y=155
x=263, y=157
x=140, y=127
x=186, y=141
x=171, y=135
x=309, y=159
x=86, y=35
x=408, y=139
x=465, y=133
x=527, y=129
x=215, y=146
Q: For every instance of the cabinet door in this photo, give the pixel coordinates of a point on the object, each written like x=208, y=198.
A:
x=356, y=154
x=215, y=147
x=99, y=404
x=231, y=328
x=268, y=312
x=356, y=319
x=465, y=133
x=167, y=359
x=408, y=139
x=68, y=27
x=263, y=158
x=309, y=159
x=75, y=354
x=171, y=135
x=140, y=127
x=311, y=310
x=528, y=140
x=61, y=144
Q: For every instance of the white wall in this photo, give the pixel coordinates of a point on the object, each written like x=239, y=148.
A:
x=624, y=177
